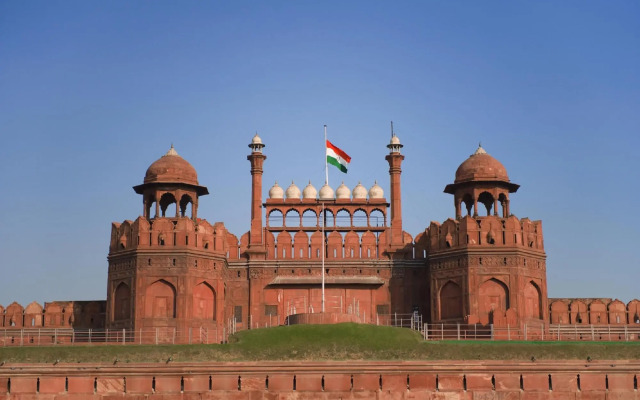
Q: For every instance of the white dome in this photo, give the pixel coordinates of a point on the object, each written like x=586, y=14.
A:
x=256, y=140
x=343, y=192
x=359, y=192
x=326, y=193
x=309, y=192
x=276, y=192
x=376, y=192
x=395, y=139
x=292, y=191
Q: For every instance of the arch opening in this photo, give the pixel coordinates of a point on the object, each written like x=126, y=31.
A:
x=160, y=300
x=166, y=200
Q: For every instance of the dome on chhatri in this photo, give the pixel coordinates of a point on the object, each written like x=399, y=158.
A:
x=343, y=192
x=171, y=168
x=480, y=166
x=376, y=192
x=359, y=192
x=276, y=192
x=326, y=193
x=256, y=139
x=309, y=192
x=293, y=192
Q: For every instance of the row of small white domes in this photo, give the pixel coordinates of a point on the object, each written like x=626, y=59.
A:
x=326, y=192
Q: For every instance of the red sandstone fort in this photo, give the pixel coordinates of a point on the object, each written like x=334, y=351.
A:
x=169, y=268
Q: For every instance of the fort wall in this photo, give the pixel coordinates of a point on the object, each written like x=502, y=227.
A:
x=449, y=380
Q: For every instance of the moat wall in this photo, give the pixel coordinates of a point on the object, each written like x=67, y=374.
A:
x=446, y=380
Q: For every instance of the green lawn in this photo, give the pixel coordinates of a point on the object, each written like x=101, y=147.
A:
x=327, y=342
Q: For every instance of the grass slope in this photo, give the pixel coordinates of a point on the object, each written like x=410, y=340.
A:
x=327, y=342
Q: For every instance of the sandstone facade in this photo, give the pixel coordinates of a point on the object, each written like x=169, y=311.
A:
x=171, y=269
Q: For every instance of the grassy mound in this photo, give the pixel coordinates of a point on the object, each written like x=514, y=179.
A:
x=327, y=342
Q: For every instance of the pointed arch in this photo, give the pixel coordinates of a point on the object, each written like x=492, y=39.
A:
x=165, y=201
x=450, y=301
x=343, y=218
x=532, y=303
x=185, y=200
x=467, y=200
x=309, y=218
x=292, y=218
x=275, y=218
x=493, y=298
x=487, y=200
x=204, y=301
x=359, y=217
x=160, y=300
x=122, y=302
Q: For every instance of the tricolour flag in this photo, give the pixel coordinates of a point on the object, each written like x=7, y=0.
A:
x=337, y=157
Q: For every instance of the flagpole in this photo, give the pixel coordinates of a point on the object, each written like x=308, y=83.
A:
x=324, y=214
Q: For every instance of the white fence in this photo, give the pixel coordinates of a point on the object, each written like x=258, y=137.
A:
x=532, y=332
x=528, y=332
x=65, y=336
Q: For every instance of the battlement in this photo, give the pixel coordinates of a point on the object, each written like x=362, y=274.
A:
x=488, y=231
x=173, y=233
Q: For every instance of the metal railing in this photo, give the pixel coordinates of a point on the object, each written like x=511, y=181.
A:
x=531, y=332
x=220, y=334
x=65, y=336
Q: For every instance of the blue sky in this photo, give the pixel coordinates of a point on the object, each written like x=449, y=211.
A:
x=91, y=93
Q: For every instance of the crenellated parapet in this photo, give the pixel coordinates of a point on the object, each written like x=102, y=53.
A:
x=593, y=311
x=485, y=232
x=173, y=233
x=56, y=314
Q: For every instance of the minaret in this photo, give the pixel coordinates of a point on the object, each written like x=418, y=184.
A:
x=395, y=160
x=257, y=159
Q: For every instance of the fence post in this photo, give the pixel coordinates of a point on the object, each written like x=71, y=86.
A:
x=593, y=334
x=508, y=332
x=140, y=335
x=442, y=331
x=542, y=332
x=156, y=335
x=124, y=335
x=626, y=336
x=89, y=335
x=492, y=335
x=525, y=332
x=458, y=331
x=609, y=331
x=190, y=334
x=426, y=331
x=395, y=319
x=21, y=334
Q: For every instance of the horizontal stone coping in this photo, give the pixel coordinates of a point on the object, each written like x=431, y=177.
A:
x=324, y=367
x=328, y=280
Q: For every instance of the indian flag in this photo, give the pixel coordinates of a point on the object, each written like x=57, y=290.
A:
x=337, y=157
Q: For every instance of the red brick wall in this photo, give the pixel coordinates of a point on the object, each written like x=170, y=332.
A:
x=335, y=380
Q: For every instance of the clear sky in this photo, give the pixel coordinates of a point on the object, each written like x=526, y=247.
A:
x=91, y=93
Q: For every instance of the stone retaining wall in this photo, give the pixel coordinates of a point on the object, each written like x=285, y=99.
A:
x=442, y=380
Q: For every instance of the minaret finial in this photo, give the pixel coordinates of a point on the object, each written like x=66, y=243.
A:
x=172, y=151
